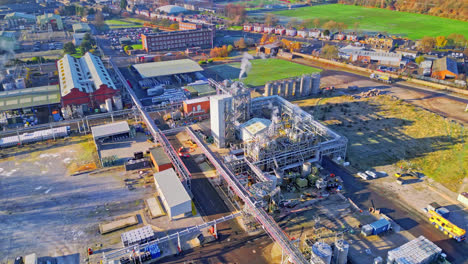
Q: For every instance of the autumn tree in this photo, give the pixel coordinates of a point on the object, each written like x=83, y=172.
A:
x=317, y=22
x=330, y=25
x=457, y=40
x=441, y=41
x=329, y=52
x=236, y=13
x=427, y=43
x=99, y=20
x=292, y=23
x=419, y=59
x=240, y=44
x=270, y=20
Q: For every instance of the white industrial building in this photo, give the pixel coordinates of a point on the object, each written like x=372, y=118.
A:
x=253, y=127
x=173, y=194
x=219, y=105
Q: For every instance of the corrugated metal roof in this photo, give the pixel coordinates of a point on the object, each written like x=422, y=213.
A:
x=164, y=68
x=29, y=97
x=111, y=129
x=160, y=156
x=171, y=188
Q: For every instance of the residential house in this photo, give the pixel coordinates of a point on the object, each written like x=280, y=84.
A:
x=380, y=41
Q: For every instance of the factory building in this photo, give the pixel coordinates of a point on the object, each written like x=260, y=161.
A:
x=86, y=82
x=50, y=22
x=110, y=131
x=253, y=127
x=197, y=106
x=419, y=250
x=16, y=19
x=175, y=198
x=160, y=160
x=178, y=40
x=219, y=105
x=384, y=58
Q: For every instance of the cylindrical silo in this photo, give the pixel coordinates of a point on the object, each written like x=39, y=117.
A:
x=290, y=87
x=274, y=88
x=118, y=102
x=306, y=168
x=296, y=88
x=315, y=89
x=341, y=252
x=305, y=85
x=282, y=89
x=109, y=105
x=322, y=251
x=267, y=89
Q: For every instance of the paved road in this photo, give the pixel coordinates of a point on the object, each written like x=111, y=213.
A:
x=406, y=217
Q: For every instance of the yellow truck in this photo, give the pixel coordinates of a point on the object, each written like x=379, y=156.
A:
x=381, y=78
x=444, y=225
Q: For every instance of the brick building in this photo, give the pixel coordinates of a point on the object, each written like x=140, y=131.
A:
x=184, y=25
x=177, y=40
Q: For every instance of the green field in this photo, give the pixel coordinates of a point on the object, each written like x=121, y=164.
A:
x=415, y=26
x=137, y=46
x=127, y=23
x=263, y=71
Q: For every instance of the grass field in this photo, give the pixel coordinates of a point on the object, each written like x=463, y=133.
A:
x=388, y=134
x=124, y=23
x=415, y=26
x=137, y=46
x=263, y=71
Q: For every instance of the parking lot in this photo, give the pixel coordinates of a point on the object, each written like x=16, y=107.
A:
x=132, y=35
x=125, y=148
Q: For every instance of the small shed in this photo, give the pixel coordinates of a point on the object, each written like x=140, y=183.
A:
x=160, y=159
x=173, y=194
x=197, y=106
x=111, y=131
x=271, y=49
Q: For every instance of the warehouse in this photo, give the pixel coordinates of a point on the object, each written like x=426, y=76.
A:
x=166, y=68
x=31, y=99
x=81, y=28
x=444, y=68
x=50, y=22
x=111, y=131
x=197, y=106
x=384, y=58
x=173, y=194
x=160, y=160
x=86, y=81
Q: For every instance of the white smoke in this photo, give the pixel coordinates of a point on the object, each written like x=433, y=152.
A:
x=245, y=64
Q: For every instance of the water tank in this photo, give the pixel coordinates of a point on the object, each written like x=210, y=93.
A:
x=341, y=251
x=118, y=102
x=322, y=251
x=306, y=168
x=109, y=105
x=20, y=83
x=315, y=89
x=155, y=91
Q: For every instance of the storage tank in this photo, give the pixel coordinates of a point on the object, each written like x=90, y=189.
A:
x=322, y=251
x=341, y=251
x=290, y=89
x=296, y=88
x=268, y=89
x=109, y=105
x=20, y=83
x=8, y=86
x=155, y=91
x=274, y=88
x=282, y=88
x=306, y=168
x=305, y=85
x=315, y=88
x=118, y=102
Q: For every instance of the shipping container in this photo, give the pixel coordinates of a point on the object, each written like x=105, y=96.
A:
x=380, y=226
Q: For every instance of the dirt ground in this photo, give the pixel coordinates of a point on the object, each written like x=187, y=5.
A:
x=46, y=211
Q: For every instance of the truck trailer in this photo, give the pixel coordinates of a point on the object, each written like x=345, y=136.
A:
x=381, y=78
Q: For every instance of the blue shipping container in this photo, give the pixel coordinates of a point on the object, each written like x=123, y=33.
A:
x=380, y=226
x=153, y=250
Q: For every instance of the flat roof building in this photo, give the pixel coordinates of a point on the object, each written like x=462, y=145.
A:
x=178, y=40
x=160, y=159
x=84, y=80
x=110, y=130
x=50, y=21
x=165, y=68
x=173, y=194
x=81, y=28
x=29, y=97
x=253, y=127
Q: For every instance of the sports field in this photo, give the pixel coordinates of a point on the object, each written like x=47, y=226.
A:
x=263, y=70
x=414, y=26
x=121, y=23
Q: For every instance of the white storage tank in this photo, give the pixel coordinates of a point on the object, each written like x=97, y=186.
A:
x=341, y=252
x=306, y=168
x=109, y=105
x=322, y=251
x=118, y=102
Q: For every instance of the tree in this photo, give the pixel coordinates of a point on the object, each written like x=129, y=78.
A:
x=326, y=32
x=230, y=48
x=99, y=20
x=174, y=26
x=292, y=22
x=457, y=40
x=316, y=22
x=270, y=20
x=69, y=48
x=330, y=25
x=419, y=59
x=427, y=43
x=465, y=52
x=127, y=48
x=441, y=41
x=85, y=46
x=330, y=52
x=240, y=44
x=123, y=4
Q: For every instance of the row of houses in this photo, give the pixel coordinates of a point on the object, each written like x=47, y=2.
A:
x=303, y=33
x=176, y=18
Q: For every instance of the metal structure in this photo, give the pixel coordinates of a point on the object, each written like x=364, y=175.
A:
x=268, y=223
x=190, y=230
x=179, y=166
